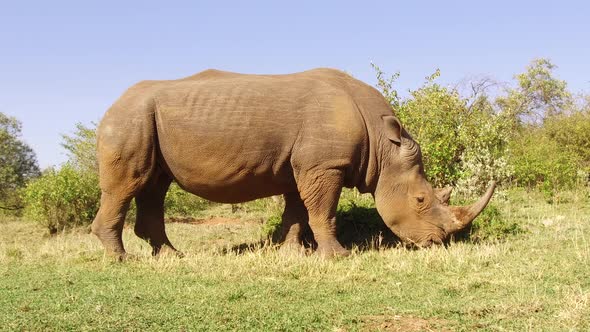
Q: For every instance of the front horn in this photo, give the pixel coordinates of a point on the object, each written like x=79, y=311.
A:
x=464, y=215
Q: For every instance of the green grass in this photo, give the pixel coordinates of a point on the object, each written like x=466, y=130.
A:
x=538, y=279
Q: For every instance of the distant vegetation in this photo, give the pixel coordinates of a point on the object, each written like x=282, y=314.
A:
x=533, y=134
x=18, y=165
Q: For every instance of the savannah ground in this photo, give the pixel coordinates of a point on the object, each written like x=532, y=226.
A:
x=535, y=280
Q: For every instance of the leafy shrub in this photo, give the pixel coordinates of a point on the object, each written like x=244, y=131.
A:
x=485, y=138
x=533, y=135
x=433, y=115
x=80, y=147
x=63, y=198
x=180, y=203
x=572, y=132
x=271, y=228
x=490, y=225
x=269, y=209
x=463, y=141
x=541, y=162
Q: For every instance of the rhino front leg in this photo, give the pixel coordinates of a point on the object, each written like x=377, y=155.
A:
x=294, y=222
x=149, y=224
x=320, y=191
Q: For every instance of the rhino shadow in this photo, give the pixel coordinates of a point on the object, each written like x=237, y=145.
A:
x=357, y=227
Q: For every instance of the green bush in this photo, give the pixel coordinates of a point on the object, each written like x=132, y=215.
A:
x=63, y=198
x=180, y=203
x=541, y=162
x=271, y=228
x=533, y=135
x=572, y=132
x=463, y=140
x=490, y=225
x=433, y=115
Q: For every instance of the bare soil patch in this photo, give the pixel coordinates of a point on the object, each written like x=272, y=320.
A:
x=403, y=323
x=207, y=221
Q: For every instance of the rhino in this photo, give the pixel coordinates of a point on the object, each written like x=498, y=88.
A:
x=231, y=138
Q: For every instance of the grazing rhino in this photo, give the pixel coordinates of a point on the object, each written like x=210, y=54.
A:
x=232, y=138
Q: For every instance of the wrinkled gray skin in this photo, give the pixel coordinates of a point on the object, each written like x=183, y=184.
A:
x=232, y=138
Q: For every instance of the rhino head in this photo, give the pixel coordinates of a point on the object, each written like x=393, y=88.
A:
x=416, y=212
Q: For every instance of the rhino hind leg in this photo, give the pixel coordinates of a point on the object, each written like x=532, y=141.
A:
x=109, y=221
x=149, y=224
x=294, y=222
x=320, y=191
x=117, y=189
x=126, y=163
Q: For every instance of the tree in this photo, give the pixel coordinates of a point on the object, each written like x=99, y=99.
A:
x=18, y=163
x=549, y=148
x=81, y=147
x=539, y=95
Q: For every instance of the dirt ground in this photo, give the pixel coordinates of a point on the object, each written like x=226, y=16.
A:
x=403, y=323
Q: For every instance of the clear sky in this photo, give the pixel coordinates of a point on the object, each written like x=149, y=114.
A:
x=63, y=62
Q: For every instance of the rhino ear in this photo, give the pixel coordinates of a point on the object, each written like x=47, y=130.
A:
x=443, y=194
x=393, y=128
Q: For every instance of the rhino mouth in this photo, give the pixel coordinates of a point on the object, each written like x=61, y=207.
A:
x=424, y=243
x=431, y=241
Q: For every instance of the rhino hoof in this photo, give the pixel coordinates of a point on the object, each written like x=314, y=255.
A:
x=117, y=256
x=331, y=253
x=292, y=249
x=167, y=251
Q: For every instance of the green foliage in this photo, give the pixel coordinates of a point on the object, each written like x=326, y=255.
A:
x=434, y=115
x=63, y=198
x=269, y=209
x=485, y=139
x=461, y=139
x=541, y=162
x=18, y=163
x=68, y=196
x=81, y=147
x=571, y=132
x=538, y=94
x=180, y=203
x=534, y=135
x=271, y=227
x=491, y=225
x=550, y=149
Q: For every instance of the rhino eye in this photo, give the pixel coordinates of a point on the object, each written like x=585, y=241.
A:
x=420, y=199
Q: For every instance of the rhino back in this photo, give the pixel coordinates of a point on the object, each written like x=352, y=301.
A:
x=232, y=137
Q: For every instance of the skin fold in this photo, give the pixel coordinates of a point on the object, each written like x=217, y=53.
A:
x=232, y=138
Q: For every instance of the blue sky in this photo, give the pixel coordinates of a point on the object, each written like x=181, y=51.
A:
x=65, y=62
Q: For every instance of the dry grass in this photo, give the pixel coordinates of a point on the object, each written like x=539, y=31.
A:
x=537, y=280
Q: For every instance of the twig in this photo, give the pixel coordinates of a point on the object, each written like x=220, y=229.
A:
x=11, y=207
